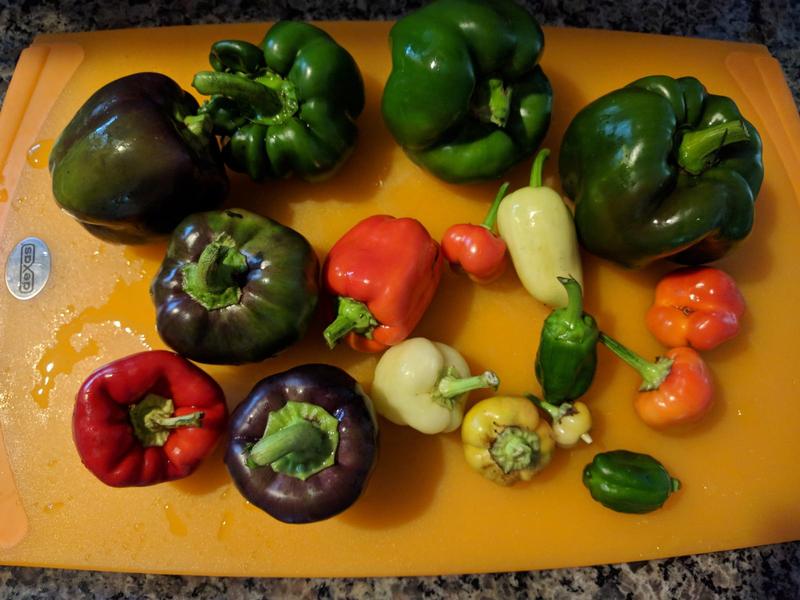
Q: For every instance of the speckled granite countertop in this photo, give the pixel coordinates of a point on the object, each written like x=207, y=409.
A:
x=765, y=572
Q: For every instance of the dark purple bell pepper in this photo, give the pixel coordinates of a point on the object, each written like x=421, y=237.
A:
x=303, y=443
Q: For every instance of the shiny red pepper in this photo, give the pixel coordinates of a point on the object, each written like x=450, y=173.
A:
x=675, y=389
x=383, y=273
x=696, y=306
x=147, y=418
x=475, y=249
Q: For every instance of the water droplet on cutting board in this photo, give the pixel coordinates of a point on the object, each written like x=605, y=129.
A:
x=52, y=507
x=224, y=531
x=176, y=524
x=39, y=153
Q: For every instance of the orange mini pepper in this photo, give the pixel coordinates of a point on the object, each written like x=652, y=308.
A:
x=695, y=306
x=384, y=273
x=675, y=389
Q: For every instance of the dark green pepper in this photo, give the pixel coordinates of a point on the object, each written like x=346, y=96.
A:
x=136, y=159
x=466, y=98
x=234, y=287
x=567, y=356
x=661, y=169
x=288, y=106
x=629, y=482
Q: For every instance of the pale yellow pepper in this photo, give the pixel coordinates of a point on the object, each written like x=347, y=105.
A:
x=505, y=440
x=539, y=230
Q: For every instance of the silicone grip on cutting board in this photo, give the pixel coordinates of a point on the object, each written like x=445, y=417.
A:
x=40, y=75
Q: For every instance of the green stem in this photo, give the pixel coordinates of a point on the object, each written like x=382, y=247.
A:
x=698, y=150
x=574, y=308
x=352, y=315
x=675, y=484
x=191, y=420
x=263, y=100
x=499, y=102
x=653, y=374
x=301, y=435
x=550, y=409
x=515, y=449
x=451, y=386
x=152, y=420
x=212, y=280
x=491, y=216
x=538, y=167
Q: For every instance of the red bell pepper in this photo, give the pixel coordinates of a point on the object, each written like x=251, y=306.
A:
x=475, y=249
x=675, y=389
x=147, y=418
x=384, y=273
x=695, y=306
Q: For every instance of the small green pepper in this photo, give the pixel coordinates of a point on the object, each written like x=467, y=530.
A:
x=629, y=482
x=567, y=356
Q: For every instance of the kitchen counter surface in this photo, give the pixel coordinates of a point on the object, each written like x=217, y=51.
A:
x=765, y=572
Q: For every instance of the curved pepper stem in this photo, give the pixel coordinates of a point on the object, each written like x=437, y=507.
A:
x=491, y=216
x=653, y=374
x=272, y=99
x=212, y=280
x=352, y=315
x=450, y=386
x=300, y=440
x=538, y=168
x=698, y=150
x=153, y=422
x=573, y=312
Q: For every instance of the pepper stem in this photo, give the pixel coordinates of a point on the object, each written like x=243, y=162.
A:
x=538, y=167
x=450, y=386
x=653, y=374
x=301, y=435
x=271, y=98
x=352, y=315
x=515, y=449
x=698, y=150
x=212, y=280
x=491, y=102
x=574, y=308
x=491, y=216
x=152, y=419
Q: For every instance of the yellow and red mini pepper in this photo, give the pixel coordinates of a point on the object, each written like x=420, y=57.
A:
x=505, y=440
x=675, y=389
x=695, y=306
x=384, y=273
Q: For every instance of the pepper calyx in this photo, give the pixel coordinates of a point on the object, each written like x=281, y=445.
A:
x=352, y=315
x=516, y=449
x=153, y=422
x=300, y=440
x=213, y=280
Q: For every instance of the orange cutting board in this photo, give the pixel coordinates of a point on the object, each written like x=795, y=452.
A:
x=424, y=511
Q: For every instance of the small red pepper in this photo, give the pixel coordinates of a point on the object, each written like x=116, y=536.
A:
x=384, y=272
x=147, y=418
x=675, y=389
x=475, y=249
x=695, y=306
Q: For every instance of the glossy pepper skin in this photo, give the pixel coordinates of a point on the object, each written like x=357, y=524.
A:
x=505, y=440
x=466, y=98
x=147, y=418
x=320, y=446
x=677, y=388
x=135, y=160
x=661, y=169
x=695, y=306
x=566, y=359
x=629, y=482
x=286, y=106
x=234, y=287
x=476, y=249
x=383, y=273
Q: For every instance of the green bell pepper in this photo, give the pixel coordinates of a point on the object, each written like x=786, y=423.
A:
x=136, y=159
x=234, y=287
x=466, y=98
x=629, y=482
x=661, y=169
x=566, y=359
x=288, y=106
